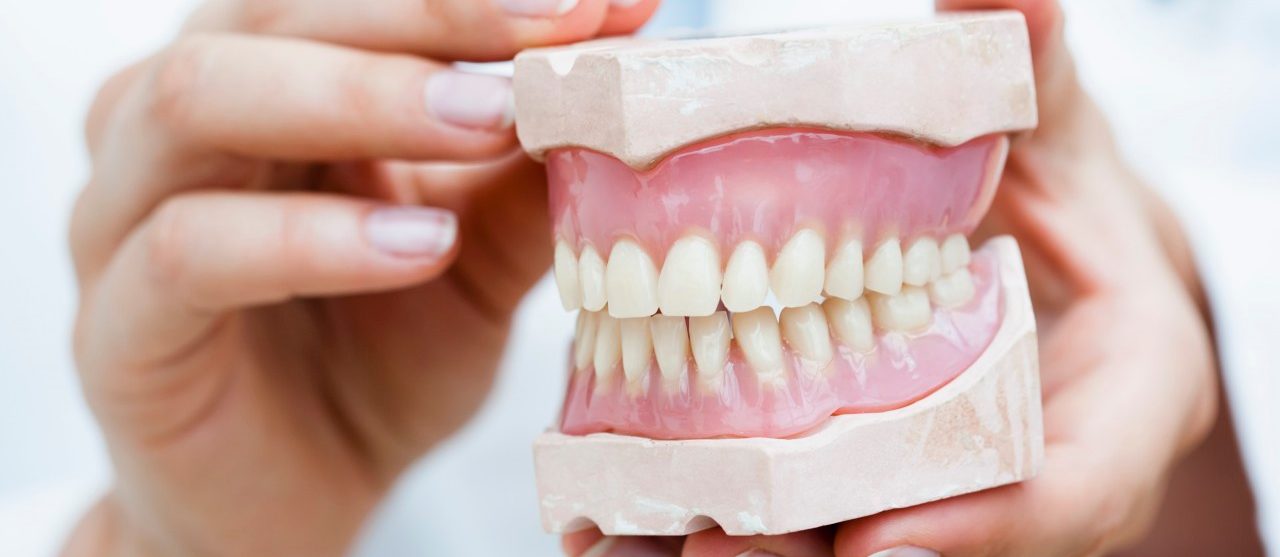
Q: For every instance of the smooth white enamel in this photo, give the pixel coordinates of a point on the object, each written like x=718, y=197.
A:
x=670, y=345
x=805, y=329
x=584, y=340
x=632, y=281
x=608, y=348
x=566, y=272
x=921, y=263
x=799, y=269
x=907, y=311
x=637, y=348
x=591, y=279
x=757, y=334
x=952, y=290
x=851, y=322
x=954, y=253
x=844, y=272
x=746, y=278
x=884, y=268
x=709, y=339
x=690, y=279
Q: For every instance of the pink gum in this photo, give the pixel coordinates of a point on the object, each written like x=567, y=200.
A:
x=763, y=185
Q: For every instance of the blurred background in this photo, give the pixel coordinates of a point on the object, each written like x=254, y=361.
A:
x=1192, y=88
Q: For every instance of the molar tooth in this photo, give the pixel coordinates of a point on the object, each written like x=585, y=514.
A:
x=670, y=345
x=884, y=268
x=608, y=348
x=690, y=280
x=851, y=322
x=631, y=280
x=757, y=334
x=805, y=329
x=952, y=289
x=591, y=279
x=907, y=311
x=584, y=340
x=566, y=271
x=844, y=272
x=637, y=348
x=709, y=337
x=955, y=253
x=798, y=271
x=746, y=278
x=921, y=263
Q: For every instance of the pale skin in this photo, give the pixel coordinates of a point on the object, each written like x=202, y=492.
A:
x=267, y=341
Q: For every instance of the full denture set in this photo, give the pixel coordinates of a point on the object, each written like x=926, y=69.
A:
x=781, y=324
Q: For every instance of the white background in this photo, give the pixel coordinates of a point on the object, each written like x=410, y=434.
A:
x=1192, y=87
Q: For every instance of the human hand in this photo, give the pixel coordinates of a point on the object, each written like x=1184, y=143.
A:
x=283, y=303
x=1129, y=382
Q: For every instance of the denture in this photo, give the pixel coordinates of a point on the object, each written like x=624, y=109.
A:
x=781, y=323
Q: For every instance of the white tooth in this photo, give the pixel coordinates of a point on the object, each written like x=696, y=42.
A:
x=805, y=329
x=591, y=279
x=851, y=322
x=670, y=345
x=953, y=289
x=566, y=270
x=921, y=263
x=608, y=348
x=955, y=253
x=637, y=348
x=798, y=271
x=584, y=340
x=844, y=272
x=690, y=280
x=632, y=281
x=757, y=334
x=709, y=337
x=746, y=278
x=907, y=311
x=884, y=268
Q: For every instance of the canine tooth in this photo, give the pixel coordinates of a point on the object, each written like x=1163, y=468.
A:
x=851, y=322
x=709, y=338
x=757, y=334
x=632, y=281
x=591, y=279
x=584, y=340
x=670, y=345
x=637, y=348
x=955, y=253
x=805, y=329
x=952, y=289
x=746, y=278
x=921, y=262
x=798, y=271
x=844, y=272
x=884, y=268
x=608, y=347
x=907, y=311
x=690, y=279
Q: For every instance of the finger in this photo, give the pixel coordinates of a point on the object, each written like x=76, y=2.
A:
x=625, y=16
x=715, y=543
x=445, y=30
x=591, y=543
x=202, y=254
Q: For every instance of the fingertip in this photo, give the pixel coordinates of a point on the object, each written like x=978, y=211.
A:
x=581, y=21
x=577, y=543
x=626, y=16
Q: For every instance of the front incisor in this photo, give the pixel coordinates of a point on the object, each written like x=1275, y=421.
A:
x=690, y=280
x=798, y=271
x=631, y=280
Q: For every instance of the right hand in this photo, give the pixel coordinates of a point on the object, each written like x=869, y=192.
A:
x=272, y=325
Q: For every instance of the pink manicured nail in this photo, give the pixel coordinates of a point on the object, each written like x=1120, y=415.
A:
x=538, y=8
x=629, y=546
x=757, y=552
x=906, y=551
x=411, y=231
x=623, y=3
x=470, y=100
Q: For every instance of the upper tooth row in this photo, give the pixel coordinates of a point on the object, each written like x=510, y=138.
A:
x=691, y=282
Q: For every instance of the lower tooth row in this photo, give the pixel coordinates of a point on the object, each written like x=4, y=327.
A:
x=691, y=282
x=607, y=343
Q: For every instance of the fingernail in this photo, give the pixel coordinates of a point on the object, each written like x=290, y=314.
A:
x=470, y=100
x=538, y=8
x=625, y=4
x=629, y=546
x=757, y=552
x=411, y=231
x=906, y=551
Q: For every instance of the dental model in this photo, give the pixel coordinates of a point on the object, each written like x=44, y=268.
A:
x=781, y=323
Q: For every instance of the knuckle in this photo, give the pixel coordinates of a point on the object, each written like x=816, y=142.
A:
x=175, y=78
x=165, y=246
x=262, y=16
